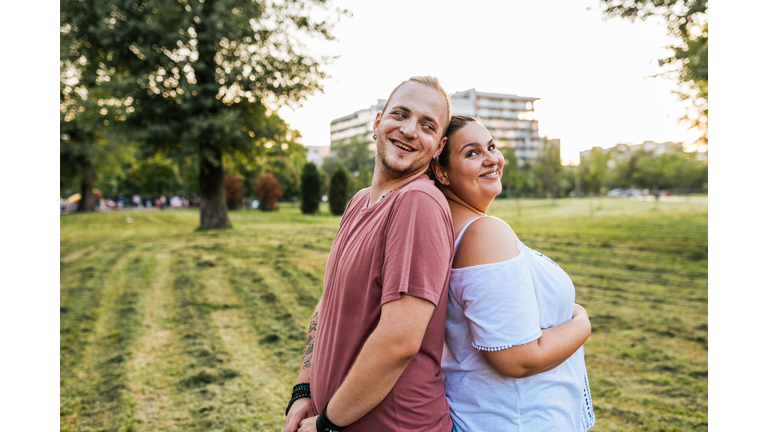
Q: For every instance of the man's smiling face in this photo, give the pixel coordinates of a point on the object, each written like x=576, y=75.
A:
x=410, y=130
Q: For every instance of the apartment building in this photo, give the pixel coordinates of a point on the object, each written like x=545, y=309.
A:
x=509, y=119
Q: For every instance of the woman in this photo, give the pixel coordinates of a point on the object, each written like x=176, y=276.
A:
x=513, y=358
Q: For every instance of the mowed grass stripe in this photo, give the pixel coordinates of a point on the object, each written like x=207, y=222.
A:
x=93, y=388
x=157, y=363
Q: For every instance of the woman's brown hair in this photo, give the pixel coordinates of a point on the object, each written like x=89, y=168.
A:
x=457, y=122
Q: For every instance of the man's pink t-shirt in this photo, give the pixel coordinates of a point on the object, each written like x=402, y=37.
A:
x=401, y=245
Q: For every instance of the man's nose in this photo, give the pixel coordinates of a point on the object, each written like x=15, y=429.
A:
x=409, y=127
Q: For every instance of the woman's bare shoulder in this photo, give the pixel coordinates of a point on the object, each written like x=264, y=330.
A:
x=487, y=240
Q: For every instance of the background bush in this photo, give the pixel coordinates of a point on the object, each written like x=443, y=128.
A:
x=339, y=193
x=233, y=191
x=311, y=184
x=268, y=190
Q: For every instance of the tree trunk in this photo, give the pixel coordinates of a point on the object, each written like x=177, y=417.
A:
x=213, y=205
x=87, y=199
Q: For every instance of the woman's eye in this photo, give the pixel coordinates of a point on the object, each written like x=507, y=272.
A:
x=472, y=153
x=492, y=147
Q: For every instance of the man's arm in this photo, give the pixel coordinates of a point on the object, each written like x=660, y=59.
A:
x=302, y=408
x=383, y=358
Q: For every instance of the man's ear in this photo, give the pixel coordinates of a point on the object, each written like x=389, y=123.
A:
x=377, y=122
x=440, y=147
x=440, y=172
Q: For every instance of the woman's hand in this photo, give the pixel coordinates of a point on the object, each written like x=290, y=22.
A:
x=300, y=410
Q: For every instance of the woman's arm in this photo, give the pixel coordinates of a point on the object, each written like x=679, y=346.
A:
x=491, y=240
x=554, y=346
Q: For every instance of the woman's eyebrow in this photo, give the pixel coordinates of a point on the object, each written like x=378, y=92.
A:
x=474, y=144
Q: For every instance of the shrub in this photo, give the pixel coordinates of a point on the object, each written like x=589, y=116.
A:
x=268, y=190
x=339, y=193
x=310, y=189
x=233, y=191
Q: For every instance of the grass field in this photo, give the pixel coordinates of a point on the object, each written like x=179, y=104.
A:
x=165, y=328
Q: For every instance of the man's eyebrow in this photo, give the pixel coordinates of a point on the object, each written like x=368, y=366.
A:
x=401, y=108
x=429, y=119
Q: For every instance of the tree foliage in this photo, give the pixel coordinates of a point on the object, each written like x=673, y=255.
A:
x=355, y=155
x=339, y=191
x=199, y=78
x=154, y=177
x=311, y=189
x=642, y=169
x=593, y=169
x=268, y=190
x=513, y=179
x=549, y=169
x=687, y=22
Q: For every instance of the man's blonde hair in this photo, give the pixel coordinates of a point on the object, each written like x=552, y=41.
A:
x=431, y=82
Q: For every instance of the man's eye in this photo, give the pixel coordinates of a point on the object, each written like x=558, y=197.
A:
x=430, y=127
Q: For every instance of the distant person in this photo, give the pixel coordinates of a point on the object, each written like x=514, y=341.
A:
x=137, y=201
x=513, y=357
x=148, y=204
x=373, y=348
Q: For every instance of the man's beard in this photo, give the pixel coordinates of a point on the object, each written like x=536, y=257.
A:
x=393, y=172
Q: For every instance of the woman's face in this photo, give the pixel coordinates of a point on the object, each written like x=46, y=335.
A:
x=474, y=166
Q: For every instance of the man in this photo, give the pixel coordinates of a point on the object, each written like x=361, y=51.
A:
x=375, y=339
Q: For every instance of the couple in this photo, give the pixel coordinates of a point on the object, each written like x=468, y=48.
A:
x=400, y=296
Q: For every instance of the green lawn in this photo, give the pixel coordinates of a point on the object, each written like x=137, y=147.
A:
x=165, y=328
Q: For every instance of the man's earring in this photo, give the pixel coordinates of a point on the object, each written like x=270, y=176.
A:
x=374, y=137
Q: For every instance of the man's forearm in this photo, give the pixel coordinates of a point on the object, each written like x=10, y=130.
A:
x=309, y=346
x=383, y=358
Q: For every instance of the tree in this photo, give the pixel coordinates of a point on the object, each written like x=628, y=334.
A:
x=592, y=170
x=549, y=168
x=687, y=23
x=233, y=190
x=85, y=114
x=354, y=154
x=154, y=177
x=268, y=190
x=339, y=193
x=311, y=186
x=205, y=78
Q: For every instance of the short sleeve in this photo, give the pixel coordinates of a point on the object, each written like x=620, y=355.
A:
x=500, y=303
x=418, y=249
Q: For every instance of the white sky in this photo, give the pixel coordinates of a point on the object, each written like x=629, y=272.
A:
x=593, y=76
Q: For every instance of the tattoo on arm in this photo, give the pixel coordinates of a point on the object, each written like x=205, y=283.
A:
x=309, y=345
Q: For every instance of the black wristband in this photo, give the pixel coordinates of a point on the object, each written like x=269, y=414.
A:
x=300, y=391
x=324, y=425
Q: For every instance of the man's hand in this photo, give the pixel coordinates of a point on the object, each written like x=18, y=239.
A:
x=308, y=425
x=300, y=410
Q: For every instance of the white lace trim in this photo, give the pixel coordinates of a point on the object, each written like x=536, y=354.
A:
x=499, y=348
